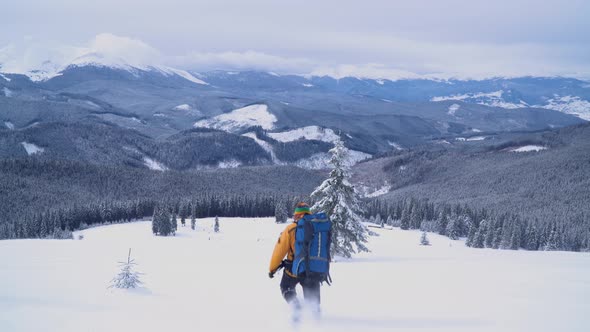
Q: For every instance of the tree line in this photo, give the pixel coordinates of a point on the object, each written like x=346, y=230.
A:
x=483, y=228
x=60, y=222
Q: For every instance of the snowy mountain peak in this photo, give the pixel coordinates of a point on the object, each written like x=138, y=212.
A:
x=42, y=62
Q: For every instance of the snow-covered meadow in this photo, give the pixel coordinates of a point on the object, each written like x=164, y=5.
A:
x=206, y=281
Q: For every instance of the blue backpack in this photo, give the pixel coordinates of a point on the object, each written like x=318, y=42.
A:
x=313, y=236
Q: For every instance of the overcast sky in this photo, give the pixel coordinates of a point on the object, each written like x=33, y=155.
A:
x=381, y=38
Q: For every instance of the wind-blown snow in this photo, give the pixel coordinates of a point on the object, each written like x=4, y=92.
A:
x=9, y=125
x=570, y=105
x=183, y=107
x=249, y=116
x=190, y=284
x=529, y=148
x=32, y=148
x=309, y=133
x=154, y=165
x=453, y=108
x=265, y=145
x=7, y=92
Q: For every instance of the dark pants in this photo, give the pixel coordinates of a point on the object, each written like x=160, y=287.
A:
x=311, y=290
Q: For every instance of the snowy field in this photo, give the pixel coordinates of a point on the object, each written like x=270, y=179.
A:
x=202, y=281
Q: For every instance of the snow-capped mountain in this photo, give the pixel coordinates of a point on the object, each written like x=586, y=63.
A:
x=122, y=59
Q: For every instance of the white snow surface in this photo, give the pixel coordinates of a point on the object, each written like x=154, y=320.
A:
x=529, y=148
x=307, y=85
x=265, y=145
x=493, y=99
x=382, y=191
x=309, y=133
x=206, y=281
x=395, y=145
x=253, y=115
x=9, y=125
x=32, y=148
x=476, y=138
x=229, y=164
x=453, y=108
x=5, y=78
x=7, y=92
x=570, y=105
x=183, y=107
x=154, y=165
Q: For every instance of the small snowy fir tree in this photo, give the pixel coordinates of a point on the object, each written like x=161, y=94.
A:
x=216, y=226
x=193, y=222
x=424, y=240
x=341, y=202
x=127, y=278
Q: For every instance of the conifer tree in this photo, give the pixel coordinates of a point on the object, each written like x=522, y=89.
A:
x=216, y=226
x=479, y=237
x=341, y=202
x=424, y=239
x=281, y=213
x=193, y=222
x=127, y=278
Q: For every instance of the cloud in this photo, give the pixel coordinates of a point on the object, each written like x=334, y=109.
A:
x=379, y=56
x=248, y=60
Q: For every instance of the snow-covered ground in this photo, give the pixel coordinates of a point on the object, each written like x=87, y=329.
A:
x=309, y=132
x=263, y=144
x=9, y=125
x=32, y=148
x=183, y=107
x=154, y=164
x=570, y=105
x=203, y=281
x=7, y=92
x=528, y=148
x=249, y=116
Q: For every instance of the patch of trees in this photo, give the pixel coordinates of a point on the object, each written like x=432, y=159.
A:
x=33, y=185
x=483, y=228
x=60, y=222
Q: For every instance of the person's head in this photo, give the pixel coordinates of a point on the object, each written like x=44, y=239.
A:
x=301, y=209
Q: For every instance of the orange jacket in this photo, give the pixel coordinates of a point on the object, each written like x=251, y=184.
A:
x=285, y=246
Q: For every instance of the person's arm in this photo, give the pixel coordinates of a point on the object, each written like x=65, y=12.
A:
x=281, y=249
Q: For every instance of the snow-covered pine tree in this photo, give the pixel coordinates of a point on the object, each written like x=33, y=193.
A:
x=156, y=220
x=216, y=226
x=341, y=202
x=389, y=221
x=281, y=213
x=452, y=229
x=479, y=237
x=173, y=224
x=127, y=277
x=424, y=240
x=193, y=222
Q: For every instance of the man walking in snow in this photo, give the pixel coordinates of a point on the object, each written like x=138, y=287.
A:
x=285, y=246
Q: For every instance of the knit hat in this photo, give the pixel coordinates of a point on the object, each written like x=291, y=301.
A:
x=302, y=208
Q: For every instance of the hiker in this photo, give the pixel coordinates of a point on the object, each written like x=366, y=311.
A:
x=286, y=246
